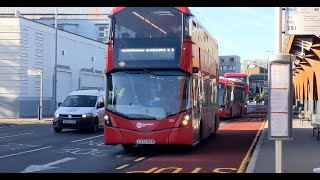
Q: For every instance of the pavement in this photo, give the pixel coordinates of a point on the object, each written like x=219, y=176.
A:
x=46, y=120
x=299, y=155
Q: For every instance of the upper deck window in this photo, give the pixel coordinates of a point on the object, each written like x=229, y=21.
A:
x=151, y=22
x=145, y=34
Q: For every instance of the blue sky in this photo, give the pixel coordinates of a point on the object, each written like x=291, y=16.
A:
x=244, y=31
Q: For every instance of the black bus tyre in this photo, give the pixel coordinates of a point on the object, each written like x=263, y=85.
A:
x=57, y=130
x=215, y=126
x=128, y=147
x=200, y=133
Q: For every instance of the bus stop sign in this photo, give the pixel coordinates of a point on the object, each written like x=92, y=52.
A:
x=280, y=96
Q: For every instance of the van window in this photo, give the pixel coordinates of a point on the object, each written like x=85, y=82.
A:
x=100, y=100
x=79, y=101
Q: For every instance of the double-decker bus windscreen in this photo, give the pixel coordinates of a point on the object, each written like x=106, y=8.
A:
x=147, y=37
x=148, y=95
x=221, y=94
x=241, y=78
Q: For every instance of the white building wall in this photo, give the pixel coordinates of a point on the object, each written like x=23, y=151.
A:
x=70, y=10
x=36, y=49
x=84, y=27
x=10, y=79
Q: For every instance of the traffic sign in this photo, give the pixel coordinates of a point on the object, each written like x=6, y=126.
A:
x=33, y=72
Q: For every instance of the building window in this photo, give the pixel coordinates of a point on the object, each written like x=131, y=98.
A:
x=59, y=26
x=233, y=67
x=231, y=59
x=221, y=68
x=224, y=68
x=102, y=32
x=221, y=60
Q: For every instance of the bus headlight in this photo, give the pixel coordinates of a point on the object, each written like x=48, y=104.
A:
x=186, y=117
x=107, y=120
x=185, y=120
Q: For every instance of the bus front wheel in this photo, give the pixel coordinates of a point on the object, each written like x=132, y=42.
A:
x=127, y=147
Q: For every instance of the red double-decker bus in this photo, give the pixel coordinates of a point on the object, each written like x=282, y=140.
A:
x=162, y=78
x=240, y=76
x=232, y=98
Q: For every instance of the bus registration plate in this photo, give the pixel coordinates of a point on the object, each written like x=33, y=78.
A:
x=69, y=122
x=145, y=141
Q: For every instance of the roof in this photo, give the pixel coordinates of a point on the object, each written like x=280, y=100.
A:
x=236, y=74
x=182, y=9
x=88, y=92
x=230, y=80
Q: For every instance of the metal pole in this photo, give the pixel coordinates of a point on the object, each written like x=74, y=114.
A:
x=56, y=58
x=278, y=40
x=41, y=92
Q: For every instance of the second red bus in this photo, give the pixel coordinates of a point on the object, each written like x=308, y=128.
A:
x=232, y=98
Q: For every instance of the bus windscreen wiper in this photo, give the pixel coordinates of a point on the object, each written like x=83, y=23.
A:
x=118, y=113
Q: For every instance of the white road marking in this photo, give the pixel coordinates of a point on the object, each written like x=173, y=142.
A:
x=7, y=126
x=122, y=155
x=34, y=168
x=16, y=135
x=9, y=155
x=87, y=138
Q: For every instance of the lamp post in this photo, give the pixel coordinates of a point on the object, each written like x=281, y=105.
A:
x=55, y=58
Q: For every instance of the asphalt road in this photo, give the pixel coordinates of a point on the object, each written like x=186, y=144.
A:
x=37, y=148
x=29, y=147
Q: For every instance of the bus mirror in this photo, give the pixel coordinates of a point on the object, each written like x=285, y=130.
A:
x=195, y=69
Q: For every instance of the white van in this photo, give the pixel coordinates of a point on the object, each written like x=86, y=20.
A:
x=82, y=109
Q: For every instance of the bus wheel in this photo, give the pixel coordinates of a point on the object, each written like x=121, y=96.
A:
x=127, y=147
x=216, y=127
x=57, y=130
x=200, y=132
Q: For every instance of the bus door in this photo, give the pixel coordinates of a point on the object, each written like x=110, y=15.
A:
x=229, y=100
x=196, y=105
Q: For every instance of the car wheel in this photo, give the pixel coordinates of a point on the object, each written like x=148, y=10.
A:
x=57, y=130
x=95, y=127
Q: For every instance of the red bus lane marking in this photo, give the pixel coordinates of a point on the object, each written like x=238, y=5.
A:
x=228, y=152
x=246, y=160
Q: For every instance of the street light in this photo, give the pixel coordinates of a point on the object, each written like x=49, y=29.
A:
x=56, y=57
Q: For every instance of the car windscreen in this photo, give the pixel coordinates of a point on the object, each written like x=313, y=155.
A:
x=79, y=101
